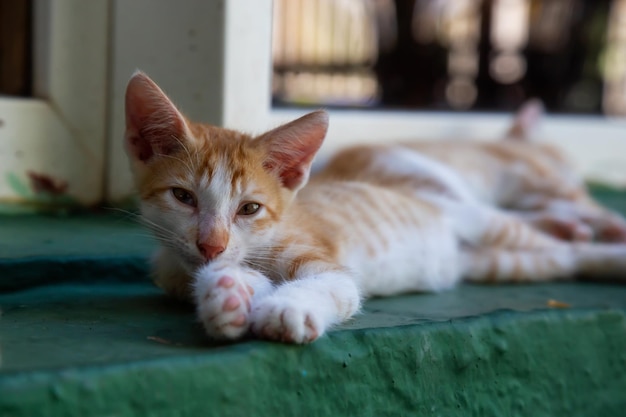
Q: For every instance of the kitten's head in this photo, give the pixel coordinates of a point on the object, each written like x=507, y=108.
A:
x=551, y=182
x=548, y=171
x=209, y=192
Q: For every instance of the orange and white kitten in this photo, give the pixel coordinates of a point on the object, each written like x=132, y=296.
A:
x=534, y=180
x=258, y=251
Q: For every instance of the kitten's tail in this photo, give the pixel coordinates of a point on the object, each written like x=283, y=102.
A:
x=566, y=261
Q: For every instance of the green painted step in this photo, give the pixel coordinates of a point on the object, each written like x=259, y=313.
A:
x=84, y=333
x=43, y=250
x=125, y=350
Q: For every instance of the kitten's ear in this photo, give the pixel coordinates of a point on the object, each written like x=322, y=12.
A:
x=291, y=148
x=526, y=120
x=153, y=124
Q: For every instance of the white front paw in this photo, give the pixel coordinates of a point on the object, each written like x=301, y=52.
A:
x=286, y=320
x=223, y=301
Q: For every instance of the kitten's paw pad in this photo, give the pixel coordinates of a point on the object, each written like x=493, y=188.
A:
x=565, y=227
x=570, y=230
x=613, y=231
x=285, y=322
x=224, y=307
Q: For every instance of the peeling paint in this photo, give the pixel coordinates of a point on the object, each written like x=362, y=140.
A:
x=17, y=185
x=37, y=192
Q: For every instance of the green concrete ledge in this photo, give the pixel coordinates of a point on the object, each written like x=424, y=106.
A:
x=88, y=248
x=126, y=350
x=83, y=333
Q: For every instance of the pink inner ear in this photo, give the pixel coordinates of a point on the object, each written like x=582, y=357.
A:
x=140, y=148
x=153, y=124
x=292, y=147
x=292, y=165
x=526, y=120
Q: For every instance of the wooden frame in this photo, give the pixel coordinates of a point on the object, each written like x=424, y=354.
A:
x=15, y=47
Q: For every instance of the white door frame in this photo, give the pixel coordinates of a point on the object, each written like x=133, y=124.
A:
x=59, y=135
x=210, y=56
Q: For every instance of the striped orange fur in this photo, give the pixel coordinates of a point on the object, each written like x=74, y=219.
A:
x=261, y=249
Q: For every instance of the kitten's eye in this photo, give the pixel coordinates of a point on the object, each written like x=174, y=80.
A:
x=184, y=196
x=248, y=209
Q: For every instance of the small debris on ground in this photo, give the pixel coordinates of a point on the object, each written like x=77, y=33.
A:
x=557, y=304
x=162, y=341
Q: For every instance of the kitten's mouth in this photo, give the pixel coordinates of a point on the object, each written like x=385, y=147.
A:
x=199, y=261
x=191, y=261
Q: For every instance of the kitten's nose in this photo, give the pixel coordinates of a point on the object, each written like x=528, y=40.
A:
x=209, y=252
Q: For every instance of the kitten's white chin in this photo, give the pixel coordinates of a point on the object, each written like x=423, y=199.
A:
x=208, y=268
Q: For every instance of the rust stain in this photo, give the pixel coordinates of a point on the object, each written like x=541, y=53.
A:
x=42, y=183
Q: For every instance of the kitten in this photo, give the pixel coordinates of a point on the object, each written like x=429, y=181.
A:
x=258, y=251
x=533, y=180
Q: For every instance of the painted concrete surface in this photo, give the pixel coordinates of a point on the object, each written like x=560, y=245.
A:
x=60, y=326
x=125, y=350
x=44, y=250
x=84, y=333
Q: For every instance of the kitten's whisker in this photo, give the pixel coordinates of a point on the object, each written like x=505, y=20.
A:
x=182, y=144
x=142, y=235
x=164, y=237
x=158, y=229
x=159, y=238
x=266, y=269
x=128, y=214
x=185, y=164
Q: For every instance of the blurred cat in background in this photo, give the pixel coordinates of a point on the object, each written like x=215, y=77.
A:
x=534, y=180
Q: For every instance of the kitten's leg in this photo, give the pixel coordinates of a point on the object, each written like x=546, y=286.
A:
x=611, y=229
x=170, y=274
x=564, y=227
x=601, y=260
x=300, y=311
x=494, y=265
x=224, y=296
x=483, y=226
x=607, y=226
x=575, y=220
x=597, y=261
